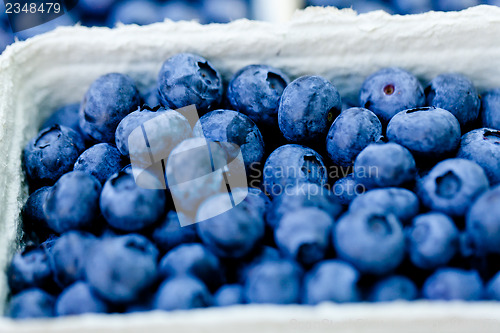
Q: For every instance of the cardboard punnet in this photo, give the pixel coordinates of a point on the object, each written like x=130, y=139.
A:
x=56, y=68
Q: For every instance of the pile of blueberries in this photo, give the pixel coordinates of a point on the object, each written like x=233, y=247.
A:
x=395, y=198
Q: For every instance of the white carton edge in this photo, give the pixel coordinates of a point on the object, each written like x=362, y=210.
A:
x=56, y=68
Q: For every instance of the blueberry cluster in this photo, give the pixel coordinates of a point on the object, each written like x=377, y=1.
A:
x=395, y=198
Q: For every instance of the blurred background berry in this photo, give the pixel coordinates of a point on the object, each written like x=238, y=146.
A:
x=110, y=12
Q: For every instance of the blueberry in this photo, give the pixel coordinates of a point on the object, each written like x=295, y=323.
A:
x=453, y=284
x=151, y=97
x=191, y=172
x=455, y=5
x=346, y=189
x=101, y=161
x=490, y=106
x=194, y=260
x=290, y=165
x=233, y=233
x=457, y=94
x=331, y=281
x=483, y=222
x=187, y=79
x=224, y=11
x=304, y=235
x=262, y=254
x=30, y=269
x=32, y=303
x=179, y=10
x=169, y=233
x=301, y=196
x=258, y=200
x=33, y=215
x=65, y=116
x=452, y=186
x=229, y=294
x=276, y=282
x=389, y=91
x=398, y=201
x=96, y=7
x=73, y=202
x=135, y=12
x=493, y=288
x=371, y=239
x=78, y=299
x=68, y=256
x=483, y=147
x=51, y=154
x=129, y=123
x=428, y=133
x=307, y=108
x=234, y=127
x=121, y=269
x=433, y=240
x=405, y=7
x=350, y=133
x=182, y=293
x=393, y=288
x=256, y=90
x=384, y=165
x=107, y=101
x=128, y=207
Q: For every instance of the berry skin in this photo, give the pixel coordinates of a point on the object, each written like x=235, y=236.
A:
x=169, y=233
x=389, y=91
x=453, y=284
x=73, y=202
x=255, y=91
x=483, y=147
x=51, y=154
x=398, y=201
x=128, y=207
x=229, y=294
x=65, y=116
x=135, y=12
x=194, y=260
x=107, y=101
x=483, y=222
x=304, y=235
x=307, y=108
x=101, y=161
x=33, y=215
x=182, y=293
x=79, y=299
x=493, y=288
x=490, y=109
x=346, y=189
x=32, y=303
x=457, y=94
x=233, y=127
x=275, y=282
x=302, y=196
x=393, y=288
x=428, y=133
x=290, y=165
x=30, y=269
x=370, y=239
x=121, y=269
x=384, y=165
x=68, y=255
x=433, y=240
x=452, y=186
x=350, y=133
x=233, y=233
x=187, y=79
x=331, y=281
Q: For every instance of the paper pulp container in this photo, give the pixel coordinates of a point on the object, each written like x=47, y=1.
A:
x=50, y=70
